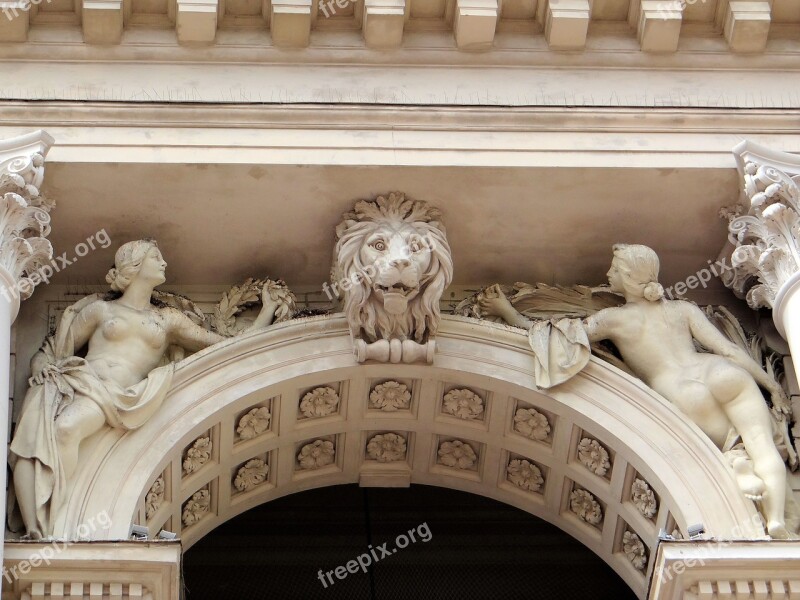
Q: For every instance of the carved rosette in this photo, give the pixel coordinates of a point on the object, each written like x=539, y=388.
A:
x=525, y=475
x=317, y=454
x=155, y=497
x=252, y=474
x=386, y=447
x=464, y=404
x=531, y=423
x=254, y=423
x=319, y=402
x=457, y=454
x=765, y=230
x=24, y=212
x=643, y=498
x=634, y=550
x=198, y=454
x=593, y=456
x=390, y=396
x=196, y=508
x=584, y=505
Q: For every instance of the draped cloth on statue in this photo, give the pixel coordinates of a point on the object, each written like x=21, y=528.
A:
x=562, y=350
x=66, y=377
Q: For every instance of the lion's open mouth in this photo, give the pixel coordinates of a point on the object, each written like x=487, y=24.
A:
x=397, y=288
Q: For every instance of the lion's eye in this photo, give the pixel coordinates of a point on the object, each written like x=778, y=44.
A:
x=380, y=246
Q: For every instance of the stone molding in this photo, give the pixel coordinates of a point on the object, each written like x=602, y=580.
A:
x=91, y=571
x=710, y=570
x=213, y=389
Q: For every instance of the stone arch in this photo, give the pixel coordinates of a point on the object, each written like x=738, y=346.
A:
x=644, y=437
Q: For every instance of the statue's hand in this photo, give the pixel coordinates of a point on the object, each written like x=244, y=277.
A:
x=269, y=297
x=38, y=364
x=493, y=302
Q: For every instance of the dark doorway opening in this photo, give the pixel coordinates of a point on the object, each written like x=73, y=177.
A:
x=477, y=548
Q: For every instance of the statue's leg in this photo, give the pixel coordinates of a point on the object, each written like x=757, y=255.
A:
x=78, y=421
x=750, y=416
x=25, y=489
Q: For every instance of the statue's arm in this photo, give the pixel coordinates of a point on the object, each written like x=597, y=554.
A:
x=709, y=336
x=85, y=323
x=494, y=302
x=599, y=325
x=187, y=334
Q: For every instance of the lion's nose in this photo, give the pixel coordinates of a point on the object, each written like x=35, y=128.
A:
x=398, y=263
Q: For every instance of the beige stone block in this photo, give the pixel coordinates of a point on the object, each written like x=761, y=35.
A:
x=746, y=25
x=290, y=22
x=197, y=21
x=566, y=23
x=14, y=21
x=102, y=21
x=658, y=26
x=475, y=23
x=383, y=23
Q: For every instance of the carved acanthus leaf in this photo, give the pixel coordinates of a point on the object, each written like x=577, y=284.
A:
x=24, y=216
x=767, y=236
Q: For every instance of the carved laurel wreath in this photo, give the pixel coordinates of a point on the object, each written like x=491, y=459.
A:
x=241, y=297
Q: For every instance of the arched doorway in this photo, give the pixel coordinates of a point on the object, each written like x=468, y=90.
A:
x=472, y=547
x=289, y=409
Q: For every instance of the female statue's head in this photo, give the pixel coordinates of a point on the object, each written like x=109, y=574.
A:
x=634, y=271
x=130, y=260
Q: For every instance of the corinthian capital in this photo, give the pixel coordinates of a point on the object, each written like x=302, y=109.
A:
x=24, y=214
x=765, y=228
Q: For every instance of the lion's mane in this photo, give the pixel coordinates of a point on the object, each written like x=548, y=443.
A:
x=365, y=313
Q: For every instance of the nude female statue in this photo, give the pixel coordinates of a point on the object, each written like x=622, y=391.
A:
x=718, y=391
x=119, y=382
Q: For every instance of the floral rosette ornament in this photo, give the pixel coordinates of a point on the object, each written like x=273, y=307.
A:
x=254, y=423
x=525, y=475
x=457, y=454
x=583, y=504
x=319, y=402
x=532, y=424
x=198, y=455
x=196, y=507
x=253, y=473
x=315, y=455
x=386, y=447
x=644, y=498
x=593, y=456
x=463, y=403
x=390, y=396
x=634, y=549
x=155, y=497
x=241, y=297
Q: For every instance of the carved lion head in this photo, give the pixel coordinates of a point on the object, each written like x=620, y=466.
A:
x=393, y=263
